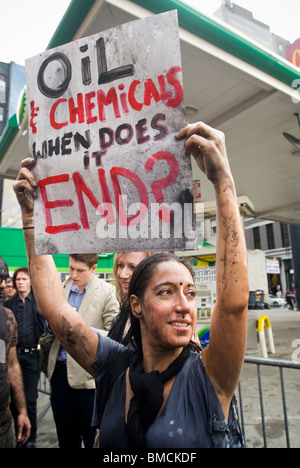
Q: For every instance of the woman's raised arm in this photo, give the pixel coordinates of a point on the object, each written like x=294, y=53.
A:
x=71, y=330
x=224, y=356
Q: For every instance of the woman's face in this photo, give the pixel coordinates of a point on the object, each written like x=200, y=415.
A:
x=125, y=267
x=168, y=311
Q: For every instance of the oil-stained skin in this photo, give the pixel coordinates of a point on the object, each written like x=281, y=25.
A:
x=230, y=266
x=72, y=338
x=77, y=344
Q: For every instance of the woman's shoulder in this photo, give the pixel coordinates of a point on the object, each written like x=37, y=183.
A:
x=195, y=376
x=110, y=353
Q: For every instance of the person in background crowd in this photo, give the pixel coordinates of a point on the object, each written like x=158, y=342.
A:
x=73, y=389
x=11, y=384
x=4, y=274
x=163, y=395
x=290, y=297
x=30, y=328
x=124, y=265
x=10, y=290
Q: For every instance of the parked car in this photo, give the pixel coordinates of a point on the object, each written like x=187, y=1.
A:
x=256, y=300
x=275, y=301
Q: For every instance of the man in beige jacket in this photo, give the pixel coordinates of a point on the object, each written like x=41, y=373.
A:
x=73, y=389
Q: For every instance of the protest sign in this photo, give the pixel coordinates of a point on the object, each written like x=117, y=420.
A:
x=103, y=111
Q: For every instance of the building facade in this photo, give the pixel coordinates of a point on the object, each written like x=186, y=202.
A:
x=274, y=239
x=244, y=21
x=12, y=82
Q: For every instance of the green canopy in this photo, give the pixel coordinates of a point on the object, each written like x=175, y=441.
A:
x=12, y=249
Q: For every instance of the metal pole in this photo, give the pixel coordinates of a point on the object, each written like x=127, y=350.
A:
x=262, y=406
x=242, y=411
x=43, y=412
x=286, y=422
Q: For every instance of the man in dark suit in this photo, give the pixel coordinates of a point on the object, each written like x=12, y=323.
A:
x=30, y=328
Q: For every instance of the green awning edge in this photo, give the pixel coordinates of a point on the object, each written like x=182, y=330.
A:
x=7, y=138
x=202, y=243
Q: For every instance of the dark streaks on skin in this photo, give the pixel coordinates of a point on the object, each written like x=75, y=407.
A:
x=76, y=343
x=231, y=239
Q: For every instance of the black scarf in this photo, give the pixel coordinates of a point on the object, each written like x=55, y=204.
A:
x=148, y=396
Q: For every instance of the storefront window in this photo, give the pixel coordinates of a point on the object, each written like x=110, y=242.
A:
x=256, y=238
x=285, y=235
x=270, y=237
x=213, y=225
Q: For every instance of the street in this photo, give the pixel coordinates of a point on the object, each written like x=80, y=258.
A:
x=286, y=331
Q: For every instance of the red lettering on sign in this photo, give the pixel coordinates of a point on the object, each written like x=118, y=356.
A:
x=53, y=122
x=151, y=93
x=33, y=114
x=76, y=112
x=110, y=98
x=172, y=80
x=104, y=208
x=131, y=96
x=144, y=200
x=123, y=100
x=158, y=185
x=81, y=187
x=82, y=111
x=89, y=106
x=163, y=88
x=49, y=205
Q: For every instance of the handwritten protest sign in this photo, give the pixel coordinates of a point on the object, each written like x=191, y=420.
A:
x=103, y=112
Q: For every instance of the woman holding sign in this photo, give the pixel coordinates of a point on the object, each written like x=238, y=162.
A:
x=162, y=394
